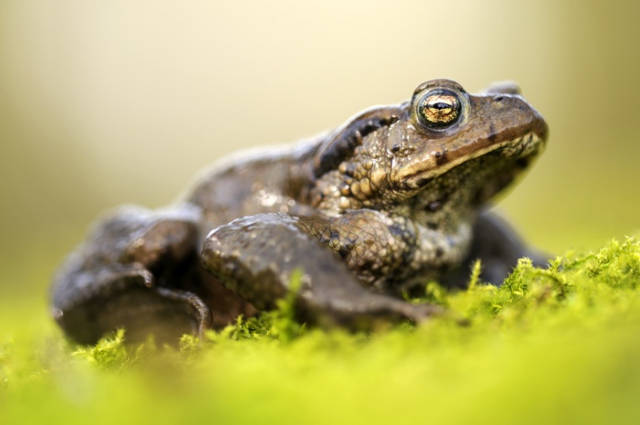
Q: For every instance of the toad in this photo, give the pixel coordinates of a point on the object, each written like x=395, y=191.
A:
x=395, y=197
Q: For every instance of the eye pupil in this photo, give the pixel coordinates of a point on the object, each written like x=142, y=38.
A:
x=440, y=105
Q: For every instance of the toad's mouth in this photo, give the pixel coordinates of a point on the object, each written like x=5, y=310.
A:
x=521, y=147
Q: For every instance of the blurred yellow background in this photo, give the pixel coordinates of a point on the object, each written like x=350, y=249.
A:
x=103, y=103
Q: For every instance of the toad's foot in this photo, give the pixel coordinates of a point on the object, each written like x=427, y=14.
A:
x=121, y=277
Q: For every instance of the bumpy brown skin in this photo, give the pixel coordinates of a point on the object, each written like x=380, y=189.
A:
x=368, y=211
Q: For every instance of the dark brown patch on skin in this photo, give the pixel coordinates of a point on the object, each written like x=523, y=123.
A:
x=492, y=133
x=440, y=156
x=434, y=206
x=350, y=170
x=422, y=182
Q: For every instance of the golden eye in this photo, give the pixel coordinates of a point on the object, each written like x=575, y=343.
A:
x=438, y=109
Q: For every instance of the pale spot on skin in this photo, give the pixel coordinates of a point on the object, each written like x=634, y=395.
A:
x=378, y=176
x=344, y=203
x=355, y=188
x=365, y=187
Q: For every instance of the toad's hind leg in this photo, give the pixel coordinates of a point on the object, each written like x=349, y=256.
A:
x=255, y=257
x=497, y=245
x=125, y=275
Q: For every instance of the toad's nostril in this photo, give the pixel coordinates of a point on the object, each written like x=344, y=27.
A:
x=498, y=98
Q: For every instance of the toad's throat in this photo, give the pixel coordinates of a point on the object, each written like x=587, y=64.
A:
x=418, y=175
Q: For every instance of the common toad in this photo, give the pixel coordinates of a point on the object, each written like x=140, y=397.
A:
x=393, y=198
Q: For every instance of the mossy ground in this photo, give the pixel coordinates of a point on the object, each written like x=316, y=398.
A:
x=550, y=346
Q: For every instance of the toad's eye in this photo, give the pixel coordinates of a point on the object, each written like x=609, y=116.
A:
x=438, y=109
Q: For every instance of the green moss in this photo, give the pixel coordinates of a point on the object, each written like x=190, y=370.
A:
x=108, y=353
x=549, y=346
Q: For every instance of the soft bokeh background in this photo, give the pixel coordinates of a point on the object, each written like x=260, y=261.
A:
x=103, y=103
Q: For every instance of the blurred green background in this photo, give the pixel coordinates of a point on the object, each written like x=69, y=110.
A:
x=104, y=103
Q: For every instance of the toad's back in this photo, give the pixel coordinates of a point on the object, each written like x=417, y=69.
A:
x=255, y=182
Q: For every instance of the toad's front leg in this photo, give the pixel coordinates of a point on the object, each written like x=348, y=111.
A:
x=255, y=256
